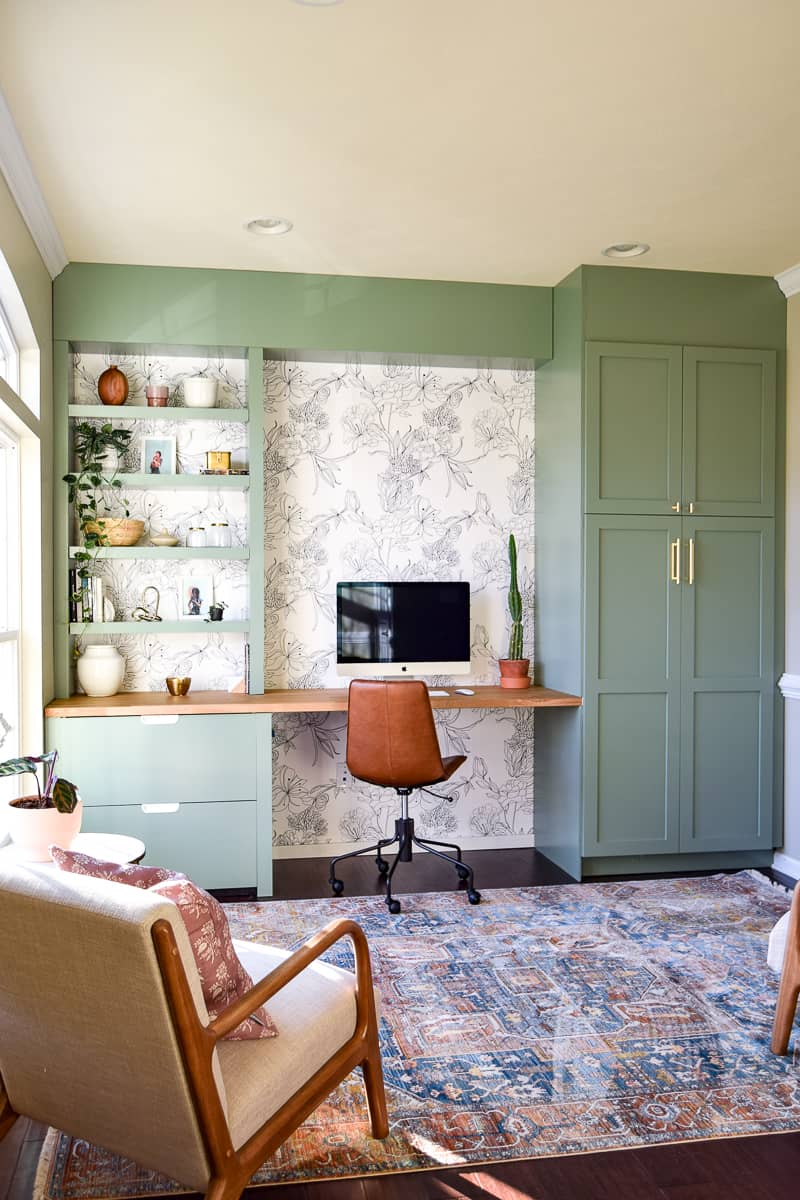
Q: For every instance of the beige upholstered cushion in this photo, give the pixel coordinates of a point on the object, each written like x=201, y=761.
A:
x=777, y=944
x=315, y=1013
x=86, y=1039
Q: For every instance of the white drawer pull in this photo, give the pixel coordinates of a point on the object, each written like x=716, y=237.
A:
x=160, y=808
x=167, y=720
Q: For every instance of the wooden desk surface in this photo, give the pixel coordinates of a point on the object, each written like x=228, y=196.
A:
x=299, y=700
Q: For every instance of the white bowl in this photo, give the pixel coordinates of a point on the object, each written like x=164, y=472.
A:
x=199, y=392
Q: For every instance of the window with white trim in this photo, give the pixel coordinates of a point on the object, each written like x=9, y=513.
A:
x=10, y=587
x=9, y=353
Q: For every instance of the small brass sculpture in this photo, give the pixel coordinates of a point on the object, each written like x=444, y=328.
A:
x=148, y=609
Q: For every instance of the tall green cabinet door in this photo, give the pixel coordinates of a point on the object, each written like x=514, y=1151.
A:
x=729, y=432
x=632, y=685
x=728, y=684
x=633, y=428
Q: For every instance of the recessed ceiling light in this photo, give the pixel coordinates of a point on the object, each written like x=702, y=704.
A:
x=269, y=225
x=626, y=250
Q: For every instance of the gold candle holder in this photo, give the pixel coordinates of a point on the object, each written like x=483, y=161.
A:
x=218, y=460
x=178, y=685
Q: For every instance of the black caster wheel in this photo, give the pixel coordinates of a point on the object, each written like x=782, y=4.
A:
x=463, y=873
x=473, y=896
x=394, y=906
x=337, y=887
x=382, y=865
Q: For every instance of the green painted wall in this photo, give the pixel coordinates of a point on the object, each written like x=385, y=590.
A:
x=304, y=314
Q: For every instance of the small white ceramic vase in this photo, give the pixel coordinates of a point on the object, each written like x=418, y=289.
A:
x=199, y=392
x=101, y=670
x=33, y=830
x=109, y=461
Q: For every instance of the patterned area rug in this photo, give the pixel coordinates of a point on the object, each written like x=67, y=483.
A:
x=546, y=1021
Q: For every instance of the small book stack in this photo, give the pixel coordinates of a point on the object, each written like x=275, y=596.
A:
x=86, y=598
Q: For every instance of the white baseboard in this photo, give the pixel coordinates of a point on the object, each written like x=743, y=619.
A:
x=786, y=865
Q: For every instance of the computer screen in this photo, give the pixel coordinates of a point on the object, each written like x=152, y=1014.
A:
x=402, y=628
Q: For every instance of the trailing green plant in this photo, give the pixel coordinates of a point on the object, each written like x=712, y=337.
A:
x=93, y=493
x=514, y=604
x=56, y=793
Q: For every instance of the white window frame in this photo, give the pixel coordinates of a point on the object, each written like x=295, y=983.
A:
x=9, y=353
x=11, y=570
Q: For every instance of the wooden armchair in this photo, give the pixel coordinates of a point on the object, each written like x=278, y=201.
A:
x=784, y=956
x=105, y=1034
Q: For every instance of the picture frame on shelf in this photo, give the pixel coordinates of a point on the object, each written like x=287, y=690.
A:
x=159, y=456
x=196, y=594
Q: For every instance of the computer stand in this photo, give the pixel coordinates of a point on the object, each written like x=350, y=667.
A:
x=406, y=839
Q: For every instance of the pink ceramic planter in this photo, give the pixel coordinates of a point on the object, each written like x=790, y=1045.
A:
x=32, y=830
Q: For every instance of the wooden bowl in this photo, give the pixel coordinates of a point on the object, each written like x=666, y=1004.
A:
x=117, y=531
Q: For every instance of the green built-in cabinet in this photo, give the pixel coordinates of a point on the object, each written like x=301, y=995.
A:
x=659, y=529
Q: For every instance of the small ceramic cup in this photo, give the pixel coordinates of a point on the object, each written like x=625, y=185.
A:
x=157, y=395
x=178, y=685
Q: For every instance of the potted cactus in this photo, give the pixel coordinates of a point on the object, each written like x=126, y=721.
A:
x=514, y=669
x=51, y=817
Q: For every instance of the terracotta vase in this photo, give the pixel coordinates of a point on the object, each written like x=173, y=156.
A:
x=514, y=673
x=33, y=830
x=112, y=386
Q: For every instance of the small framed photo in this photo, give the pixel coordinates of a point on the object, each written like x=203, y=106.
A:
x=158, y=456
x=197, y=592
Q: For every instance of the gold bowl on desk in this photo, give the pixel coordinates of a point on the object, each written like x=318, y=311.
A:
x=178, y=685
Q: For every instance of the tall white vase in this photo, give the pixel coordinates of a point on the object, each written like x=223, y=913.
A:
x=101, y=670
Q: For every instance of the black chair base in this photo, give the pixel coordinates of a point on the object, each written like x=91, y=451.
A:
x=406, y=839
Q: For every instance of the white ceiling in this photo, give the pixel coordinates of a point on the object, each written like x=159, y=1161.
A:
x=449, y=139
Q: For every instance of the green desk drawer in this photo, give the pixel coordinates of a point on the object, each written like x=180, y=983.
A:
x=159, y=760
x=214, y=844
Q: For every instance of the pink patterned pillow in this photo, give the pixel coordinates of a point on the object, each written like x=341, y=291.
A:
x=222, y=977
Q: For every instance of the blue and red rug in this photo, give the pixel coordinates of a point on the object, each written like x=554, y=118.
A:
x=546, y=1021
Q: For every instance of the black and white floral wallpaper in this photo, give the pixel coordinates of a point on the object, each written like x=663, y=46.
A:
x=395, y=472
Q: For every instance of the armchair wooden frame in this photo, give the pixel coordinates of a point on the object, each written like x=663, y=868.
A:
x=231, y=1169
x=789, y=990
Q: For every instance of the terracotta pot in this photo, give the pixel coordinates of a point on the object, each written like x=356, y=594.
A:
x=514, y=673
x=112, y=386
x=32, y=830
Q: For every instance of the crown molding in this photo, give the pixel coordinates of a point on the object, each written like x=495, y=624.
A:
x=789, y=281
x=789, y=686
x=23, y=185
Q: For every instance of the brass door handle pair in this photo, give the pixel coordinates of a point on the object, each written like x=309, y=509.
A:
x=676, y=507
x=675, y=561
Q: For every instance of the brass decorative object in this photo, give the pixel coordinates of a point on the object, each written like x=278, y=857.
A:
x=148, y=609
x=178, y=685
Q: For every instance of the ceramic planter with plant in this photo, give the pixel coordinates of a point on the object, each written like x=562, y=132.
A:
x=50, y=817
x=514, y=669
x=94, y=490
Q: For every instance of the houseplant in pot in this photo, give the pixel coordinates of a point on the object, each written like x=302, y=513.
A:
x=50, y=817
x=514, y=669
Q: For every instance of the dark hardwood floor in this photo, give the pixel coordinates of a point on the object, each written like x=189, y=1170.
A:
x=749, y=1168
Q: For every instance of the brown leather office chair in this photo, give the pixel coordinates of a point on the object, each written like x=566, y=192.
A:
x=391, y=742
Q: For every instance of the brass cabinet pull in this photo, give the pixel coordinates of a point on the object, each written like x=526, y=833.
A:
x=691, y=506
x=675, y=561
x=676, y=507
x=691, y=560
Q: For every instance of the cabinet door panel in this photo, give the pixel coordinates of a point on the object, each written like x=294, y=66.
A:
x=729, y=431
x=632, y=689
x=633, y=426
x=727, y=686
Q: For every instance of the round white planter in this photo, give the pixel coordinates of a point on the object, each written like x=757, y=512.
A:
x=32, y=830
x=101, y=670
x=199, y=392
x=109, y=461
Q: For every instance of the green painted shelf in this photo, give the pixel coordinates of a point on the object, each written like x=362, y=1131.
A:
x=190, y=625
x=167, y=552
x=139, y=412
x=199, y=482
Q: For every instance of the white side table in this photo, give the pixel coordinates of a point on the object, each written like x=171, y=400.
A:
x=109, y=847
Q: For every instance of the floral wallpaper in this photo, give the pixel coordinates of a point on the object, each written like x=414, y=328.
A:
x=213, y=659
x=395, y=472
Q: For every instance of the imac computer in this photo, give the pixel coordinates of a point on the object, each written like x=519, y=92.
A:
x=402, y=629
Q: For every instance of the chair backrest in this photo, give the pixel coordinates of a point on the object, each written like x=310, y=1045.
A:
x=86, y=1038
x=391, y=737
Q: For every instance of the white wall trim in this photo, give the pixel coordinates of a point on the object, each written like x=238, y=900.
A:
x=789, y=281
x=789, y=686
x=786, y=865
x=24, y=187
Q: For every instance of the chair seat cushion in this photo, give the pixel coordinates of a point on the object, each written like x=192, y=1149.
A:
x=316, y=1014
x=222, y=976
x=777, y=944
